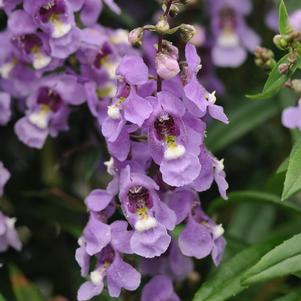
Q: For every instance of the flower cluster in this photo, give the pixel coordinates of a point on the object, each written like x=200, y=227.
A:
x=154, y=128
x=232, y=36
x=152, y=111
x=43, y=46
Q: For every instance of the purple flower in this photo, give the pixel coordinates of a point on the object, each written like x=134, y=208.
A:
x=29, y=45
x=212, y=170
x=92, y=8
x=5, y=111
x=9, y=5
x=295, y=20
x=52, y=16
x=62, y=48
x=118, y=274
x=167, y=62
x=134, y=70
x=232, y=35
x=291, y=117
x=48, y=109
x=201, y=236
x=170, y=143
x=147, y=214
x=194, y=91
x=97, y=235
x=159, y=289
x=271, y=20
x=8, y=234
x=172, y=264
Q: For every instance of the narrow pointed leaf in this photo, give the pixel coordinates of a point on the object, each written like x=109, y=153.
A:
x=280, y=261
x=283, y=19
x=286, y=267
x=227, y=281
x=276, y=80
x=292, y=183
x=248, y=116
x=251, y=197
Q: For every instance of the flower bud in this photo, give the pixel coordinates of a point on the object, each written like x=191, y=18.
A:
x=264, y=58
x=136, y=36
x=162, y=26
x=280, y=42
x=187, y=32
x=174, y=10
x=293, y=57
x=167, y=65
x=283, y=68
x=296, y=85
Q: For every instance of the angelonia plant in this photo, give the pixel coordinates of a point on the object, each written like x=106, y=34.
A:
x=151, y=110
x=154, y=126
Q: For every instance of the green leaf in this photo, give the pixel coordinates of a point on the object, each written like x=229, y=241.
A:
x=293, y=296
x=283, y=260
x=283, y=19
x=292, y=183
x=274, y=75
x=227, y=281
x=276, y=80
x=243, y=119
x=286, y=267
x=23, y=289
x=253, y=196
x=283, y=166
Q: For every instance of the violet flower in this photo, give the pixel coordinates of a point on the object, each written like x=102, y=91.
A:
x=159, y=289
x=29, y=45
x=52, y=16
x=118, y=274
x=147, y=214
x=48, y=109
x=8, y=234
x=291, y=117
x=232, y=36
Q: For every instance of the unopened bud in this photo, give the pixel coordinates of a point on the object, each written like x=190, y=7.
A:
x=296, y=85
x=162, y=26
x=167, y=65
x=174, y=10
x=295, y=36
x=293, y=57
x=187, y=32
x=136, y=36
x=264, y=58
x=283, y=68
x=280, y=41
